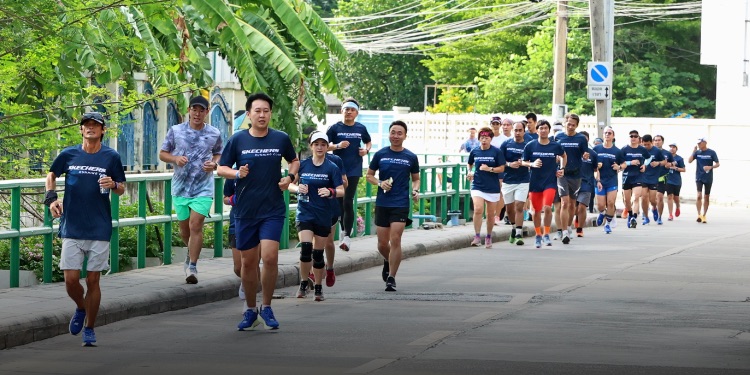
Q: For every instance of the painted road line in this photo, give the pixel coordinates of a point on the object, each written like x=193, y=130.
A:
x=521, y=299
x=482, y=317
x=371, y=366
x=432, y=337
x=561, y=287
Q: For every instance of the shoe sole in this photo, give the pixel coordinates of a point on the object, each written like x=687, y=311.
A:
x=519, y=242
x=319, y=298
x=191, y=279
x=89, y=345
x=389, y=288
x=344, y=247
x=253, y=326
x=566, y=240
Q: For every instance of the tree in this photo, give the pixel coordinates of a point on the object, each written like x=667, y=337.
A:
x=59, y=55
x=380, y=81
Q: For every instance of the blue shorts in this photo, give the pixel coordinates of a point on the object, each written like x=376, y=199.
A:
x=605, y=190
x=249, y=232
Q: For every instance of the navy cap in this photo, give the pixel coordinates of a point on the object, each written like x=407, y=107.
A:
x=199, y=100
x=96, y=116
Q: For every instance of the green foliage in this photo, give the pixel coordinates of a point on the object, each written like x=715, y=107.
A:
x=31, y=256
x=381, y=81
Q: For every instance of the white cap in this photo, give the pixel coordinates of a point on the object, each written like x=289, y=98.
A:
x=318, y=135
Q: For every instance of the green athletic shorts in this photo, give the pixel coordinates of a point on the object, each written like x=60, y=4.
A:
x=183, y=205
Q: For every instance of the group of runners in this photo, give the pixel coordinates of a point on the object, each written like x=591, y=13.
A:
x=508, y=167
x=514, y=171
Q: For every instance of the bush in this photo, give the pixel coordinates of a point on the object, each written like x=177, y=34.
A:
x=31, y=256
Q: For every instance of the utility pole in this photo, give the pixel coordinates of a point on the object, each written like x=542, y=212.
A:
x=561, y=57
x=602, y=17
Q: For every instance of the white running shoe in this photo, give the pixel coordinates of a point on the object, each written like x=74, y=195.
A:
x=344, y=244
x=613, y=223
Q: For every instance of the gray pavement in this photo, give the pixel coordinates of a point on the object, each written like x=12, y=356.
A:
x=40, y=312
x=669, y=299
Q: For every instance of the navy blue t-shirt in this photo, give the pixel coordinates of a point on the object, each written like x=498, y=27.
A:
x=325, y=175
x=651, y=175
x=588, y=166
x=335, y=208
x=574, y=147
x=258, y=195
x=545, y=177
x=513, y=151
x=355, y=134
x=484, y=181
x=674, y=177
x=399, y=165
x=632, y=173
x=608, y=157
x=702, y=159
x=87, y=214
x=663, y=170
x=228, y=192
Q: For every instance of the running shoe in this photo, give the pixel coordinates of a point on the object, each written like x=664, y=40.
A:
x=558, y=235
x=579, y=232
x=703, y=219
x=488, y=242
x=266, y=314
x=507, y=221
x=538, y=241
x=330, y=277
x=302, y=291
x=89, y=337
x=645, y=220
x=656, y=214
x=613, y=223
x=677, y=212
x=319, y=293
x=512, y=239
x=76, y=322
x=344, y=244
x=670, y=218
x=241, y=292
x=311, y=278
x=390, y=284
x=476, y=241
x=249, y=320
x=699, y=219
x=192, y=277
x=566, y=238
x=633, y=222
x=547, y=241
x=386, y=270
x=600, y=219
x=519, y=240
x=607, y=229
x=659, y=222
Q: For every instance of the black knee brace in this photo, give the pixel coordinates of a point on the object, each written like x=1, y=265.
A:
x=305, y=255
x=318, y=261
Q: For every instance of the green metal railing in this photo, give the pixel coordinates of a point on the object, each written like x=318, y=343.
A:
x=435, y=184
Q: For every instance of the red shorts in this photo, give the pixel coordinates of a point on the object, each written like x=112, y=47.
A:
x=542, y=199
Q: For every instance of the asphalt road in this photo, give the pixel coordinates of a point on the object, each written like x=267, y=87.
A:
x=670, y=299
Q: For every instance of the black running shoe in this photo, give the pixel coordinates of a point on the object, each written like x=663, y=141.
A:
x=386, y=270
x=390, y=284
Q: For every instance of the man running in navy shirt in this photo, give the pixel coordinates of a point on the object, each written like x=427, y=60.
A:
x=397, y=167
x=610, y=161
x=516, y=187
x=635, y=157
x=706, y=161
x=674, y=182
x=91, y=171
x=569, y=184
x=260, y=212
x=650, y=178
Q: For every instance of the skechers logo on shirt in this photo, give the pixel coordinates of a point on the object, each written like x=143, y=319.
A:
x=349, y=135
x=87, y=169
x=569, y=144
x=314, y=176
x=395, y=161
x=634, y=155
x=543, y=154
x=483, y=159
x=263, y=152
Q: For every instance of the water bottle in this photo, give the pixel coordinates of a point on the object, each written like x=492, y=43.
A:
x=303, y=197
x=101, y=189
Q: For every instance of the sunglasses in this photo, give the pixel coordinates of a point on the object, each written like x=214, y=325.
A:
x=634, y=136
x=608, y=133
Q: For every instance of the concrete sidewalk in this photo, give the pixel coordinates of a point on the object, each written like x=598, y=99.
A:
x=40, y=312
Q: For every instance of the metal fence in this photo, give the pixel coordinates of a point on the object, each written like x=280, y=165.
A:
x=442, y=185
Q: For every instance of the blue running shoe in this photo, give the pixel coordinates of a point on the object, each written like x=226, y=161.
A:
x=659, y=222
x=656, y=215
x=607, y=229
x=547, y=241
x=645, y=220
x=249, y=320
x=538, y=242
x=600, y=219
x=268, y=319
x=76, y=322
x=89, y=337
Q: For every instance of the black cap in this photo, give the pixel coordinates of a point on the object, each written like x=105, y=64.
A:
x=199, y=100
x=96, y=116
